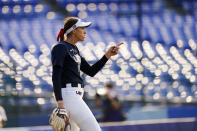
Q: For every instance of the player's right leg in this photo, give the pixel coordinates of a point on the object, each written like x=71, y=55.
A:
x=86, y=120
x=78, y=110
x=73, y=125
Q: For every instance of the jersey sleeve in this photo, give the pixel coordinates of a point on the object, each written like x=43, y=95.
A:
x=56, y=78
x=57, y=55
x=92, y=70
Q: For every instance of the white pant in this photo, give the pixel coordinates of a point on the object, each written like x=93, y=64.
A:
x=79, y=113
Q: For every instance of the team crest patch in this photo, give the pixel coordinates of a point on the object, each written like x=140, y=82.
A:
x=77, y=58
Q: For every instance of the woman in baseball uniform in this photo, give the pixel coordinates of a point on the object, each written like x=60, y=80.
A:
x=67, y=82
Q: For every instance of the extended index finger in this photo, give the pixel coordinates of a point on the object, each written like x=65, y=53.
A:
x=120, y=44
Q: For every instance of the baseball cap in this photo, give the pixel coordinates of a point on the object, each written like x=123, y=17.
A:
x=79, y=23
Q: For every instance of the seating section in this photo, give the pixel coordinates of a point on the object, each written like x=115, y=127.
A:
x=158, y=59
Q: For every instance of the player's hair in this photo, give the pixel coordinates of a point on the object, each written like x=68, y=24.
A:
x=68, y=23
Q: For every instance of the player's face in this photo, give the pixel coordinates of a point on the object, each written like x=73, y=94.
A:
x=80, y=33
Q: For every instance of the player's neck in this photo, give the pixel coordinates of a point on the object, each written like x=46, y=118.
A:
x=71, y=41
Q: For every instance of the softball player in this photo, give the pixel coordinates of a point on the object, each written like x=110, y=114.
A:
x=67, y=82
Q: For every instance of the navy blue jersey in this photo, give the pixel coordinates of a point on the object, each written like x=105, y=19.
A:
x=67, y=63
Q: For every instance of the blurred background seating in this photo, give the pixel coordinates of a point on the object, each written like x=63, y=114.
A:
x=156, y=66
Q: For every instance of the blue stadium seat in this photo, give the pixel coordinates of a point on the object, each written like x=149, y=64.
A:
x=33, y=25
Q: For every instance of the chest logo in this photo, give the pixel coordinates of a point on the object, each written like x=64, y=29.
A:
x=77, y=58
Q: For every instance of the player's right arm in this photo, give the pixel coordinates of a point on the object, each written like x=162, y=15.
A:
x=57, y=57
x=56, y=78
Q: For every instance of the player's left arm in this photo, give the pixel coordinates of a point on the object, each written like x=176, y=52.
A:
x=92, y=70
x=113, y=50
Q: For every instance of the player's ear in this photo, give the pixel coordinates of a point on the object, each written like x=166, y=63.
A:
x=74, y=31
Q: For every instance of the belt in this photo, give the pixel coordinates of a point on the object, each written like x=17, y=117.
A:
x=73, y=84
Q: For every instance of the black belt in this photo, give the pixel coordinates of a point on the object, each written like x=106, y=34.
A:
x=74, y=84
